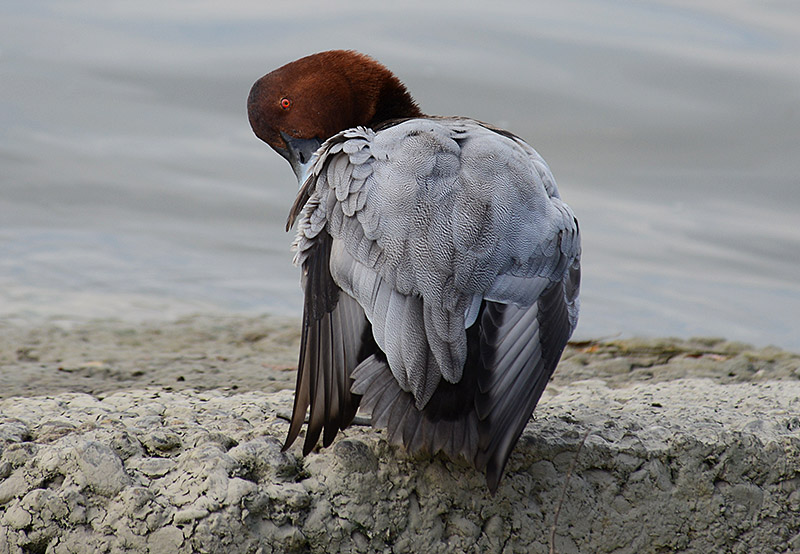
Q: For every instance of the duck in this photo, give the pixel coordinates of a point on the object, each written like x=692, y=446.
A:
x=440, y=266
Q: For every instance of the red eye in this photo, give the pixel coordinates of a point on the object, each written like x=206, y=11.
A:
x=286, y=103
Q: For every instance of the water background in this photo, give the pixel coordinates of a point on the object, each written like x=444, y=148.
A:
x=131, y=185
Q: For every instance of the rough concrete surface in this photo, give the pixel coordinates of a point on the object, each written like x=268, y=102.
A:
x=645, y=456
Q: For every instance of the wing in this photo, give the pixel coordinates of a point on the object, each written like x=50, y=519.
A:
x=335, y=338
x=454, y=241
x=379, y=261
x=520, y=348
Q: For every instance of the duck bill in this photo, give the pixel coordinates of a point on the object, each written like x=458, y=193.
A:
x=298, y=153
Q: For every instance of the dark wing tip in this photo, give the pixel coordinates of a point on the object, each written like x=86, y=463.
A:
x=332, y=344
x=294, y=431
x=493, y=475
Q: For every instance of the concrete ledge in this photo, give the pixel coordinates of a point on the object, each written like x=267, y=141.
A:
x=689, y=465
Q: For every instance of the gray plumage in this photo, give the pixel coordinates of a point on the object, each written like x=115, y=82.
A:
x=444, y=243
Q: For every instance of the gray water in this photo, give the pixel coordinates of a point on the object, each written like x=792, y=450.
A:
x=131, y=185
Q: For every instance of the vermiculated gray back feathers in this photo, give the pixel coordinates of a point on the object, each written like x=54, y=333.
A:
x=440, y=229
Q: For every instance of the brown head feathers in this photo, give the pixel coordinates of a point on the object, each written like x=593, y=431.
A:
x=322, y=94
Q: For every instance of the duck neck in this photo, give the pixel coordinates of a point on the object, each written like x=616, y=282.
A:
x=394, y=102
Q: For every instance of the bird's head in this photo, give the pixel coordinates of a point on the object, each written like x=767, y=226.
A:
x=298, y=106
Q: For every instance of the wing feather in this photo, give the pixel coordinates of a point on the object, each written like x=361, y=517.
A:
x=331, y=346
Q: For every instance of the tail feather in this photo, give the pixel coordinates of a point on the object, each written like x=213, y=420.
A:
x=395, y=410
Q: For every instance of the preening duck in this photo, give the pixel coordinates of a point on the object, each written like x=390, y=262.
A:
x=441, y=268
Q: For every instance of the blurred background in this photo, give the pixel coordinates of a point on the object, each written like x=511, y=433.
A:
x=131, y=185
